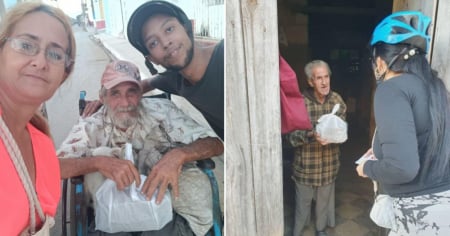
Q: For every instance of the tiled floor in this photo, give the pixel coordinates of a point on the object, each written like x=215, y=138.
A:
x=353, y=195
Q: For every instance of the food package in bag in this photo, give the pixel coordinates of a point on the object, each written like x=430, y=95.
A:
x=331, y=127
x=128, y=210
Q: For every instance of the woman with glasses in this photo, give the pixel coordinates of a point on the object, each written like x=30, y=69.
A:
x=37, y=51
x=412, y=140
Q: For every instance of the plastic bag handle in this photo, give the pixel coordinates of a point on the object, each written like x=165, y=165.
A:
x=129, y=152
x=335, y=108
x=129, y=156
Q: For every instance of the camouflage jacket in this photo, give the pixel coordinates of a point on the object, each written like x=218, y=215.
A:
x=161, y=126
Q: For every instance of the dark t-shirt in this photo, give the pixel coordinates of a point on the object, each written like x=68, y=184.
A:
x=207, y=95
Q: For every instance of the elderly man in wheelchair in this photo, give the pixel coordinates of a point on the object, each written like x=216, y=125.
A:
x=165, y=145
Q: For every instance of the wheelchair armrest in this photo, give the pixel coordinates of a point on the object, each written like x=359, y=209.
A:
x=77, y=180
x=206, y=164
x=74, y=205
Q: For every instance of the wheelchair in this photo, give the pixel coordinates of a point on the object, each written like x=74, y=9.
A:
x=80, y=215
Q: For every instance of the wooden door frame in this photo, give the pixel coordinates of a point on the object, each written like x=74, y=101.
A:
x=254, y=183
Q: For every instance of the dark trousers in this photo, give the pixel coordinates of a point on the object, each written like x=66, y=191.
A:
x=324, y=207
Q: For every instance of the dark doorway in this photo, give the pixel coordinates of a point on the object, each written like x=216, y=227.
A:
x=338, y=32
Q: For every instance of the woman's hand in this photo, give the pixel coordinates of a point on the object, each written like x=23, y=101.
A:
x=366, y=157
x=369, y=153
x=360, y=169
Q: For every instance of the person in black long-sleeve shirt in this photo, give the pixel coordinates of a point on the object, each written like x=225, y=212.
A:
x=412, y=140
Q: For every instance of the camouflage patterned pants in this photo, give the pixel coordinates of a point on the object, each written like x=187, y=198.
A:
x=423, y=215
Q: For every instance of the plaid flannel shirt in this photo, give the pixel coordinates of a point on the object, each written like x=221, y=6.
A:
x=314, y=164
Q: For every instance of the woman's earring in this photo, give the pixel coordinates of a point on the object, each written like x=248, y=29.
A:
x=379, y=76
x=377, y=72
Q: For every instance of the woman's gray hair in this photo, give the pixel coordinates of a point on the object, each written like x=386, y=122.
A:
x=311, y=65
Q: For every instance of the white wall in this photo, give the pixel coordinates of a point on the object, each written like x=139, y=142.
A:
x=213, y=16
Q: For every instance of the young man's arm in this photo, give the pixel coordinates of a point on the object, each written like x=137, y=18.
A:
x=120, y=171
x=147, y=86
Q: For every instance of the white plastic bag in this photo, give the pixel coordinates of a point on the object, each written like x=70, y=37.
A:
x=117, y=211
x=382, y=212
x=331, y=127
x=128, y=210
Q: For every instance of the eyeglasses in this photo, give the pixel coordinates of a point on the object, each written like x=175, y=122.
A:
x=53, y=54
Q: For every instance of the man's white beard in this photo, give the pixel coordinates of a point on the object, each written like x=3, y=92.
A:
x=125, y=122
x=122, y=122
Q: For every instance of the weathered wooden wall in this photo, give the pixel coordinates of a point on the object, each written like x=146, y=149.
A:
x=254, y=187
x=427, y=7
x=440, y=56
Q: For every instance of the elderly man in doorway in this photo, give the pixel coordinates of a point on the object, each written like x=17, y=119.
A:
x=316, y=162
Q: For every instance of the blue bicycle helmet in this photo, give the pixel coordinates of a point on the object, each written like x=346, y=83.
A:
x=408, y=27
